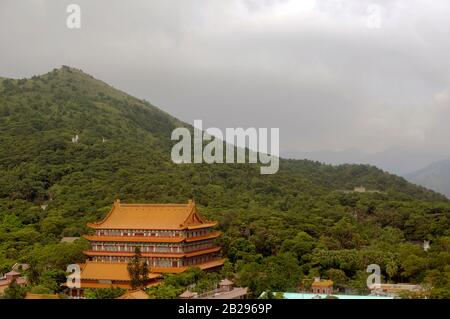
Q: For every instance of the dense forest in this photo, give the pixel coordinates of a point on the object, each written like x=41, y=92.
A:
x=279, y=231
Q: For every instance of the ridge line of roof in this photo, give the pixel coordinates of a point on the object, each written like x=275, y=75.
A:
x=106, y=263
x=98, y=223
x=154, y=205
x=192, y=211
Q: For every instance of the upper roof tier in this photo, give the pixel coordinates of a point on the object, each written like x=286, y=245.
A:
x=153, y=217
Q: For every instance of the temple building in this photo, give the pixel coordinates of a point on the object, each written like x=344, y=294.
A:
x=320, y=286
x=225, y=290
x=171, y=238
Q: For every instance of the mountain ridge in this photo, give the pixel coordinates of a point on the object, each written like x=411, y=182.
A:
x=435, y=176
x=396, y=161
x=102, y=104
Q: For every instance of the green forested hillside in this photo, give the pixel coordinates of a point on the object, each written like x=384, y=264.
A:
x=278, y=230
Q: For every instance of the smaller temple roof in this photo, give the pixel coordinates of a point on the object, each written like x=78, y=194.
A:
x=20, y=266
x=21, y=280
x=29, y=295
x=322, y=283
x=397, y=287
x=12, y=273
x=225, y=282
x=107, y=271
x=238, y=292
x=153, y=217
x=207, y=265
x=187, y=294
x=97, y=285
x=134, y=294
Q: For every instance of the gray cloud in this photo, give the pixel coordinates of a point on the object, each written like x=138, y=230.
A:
x=312, y=68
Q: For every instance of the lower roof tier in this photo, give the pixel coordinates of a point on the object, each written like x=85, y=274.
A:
x=89, y=284
x=106, y=274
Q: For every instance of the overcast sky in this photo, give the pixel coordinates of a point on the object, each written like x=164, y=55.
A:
x=319, y=70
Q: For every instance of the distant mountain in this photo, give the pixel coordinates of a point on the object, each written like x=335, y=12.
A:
x=395, y=161
x=435, y=176
x=350, y=156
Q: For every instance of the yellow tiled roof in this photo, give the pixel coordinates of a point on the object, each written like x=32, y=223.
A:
x=117, y=271
x=30, y=295
x=175, y=270
x=153, y=216
x=134, y=294
x=322, y=283
x=107, y=271
x=96, y=285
